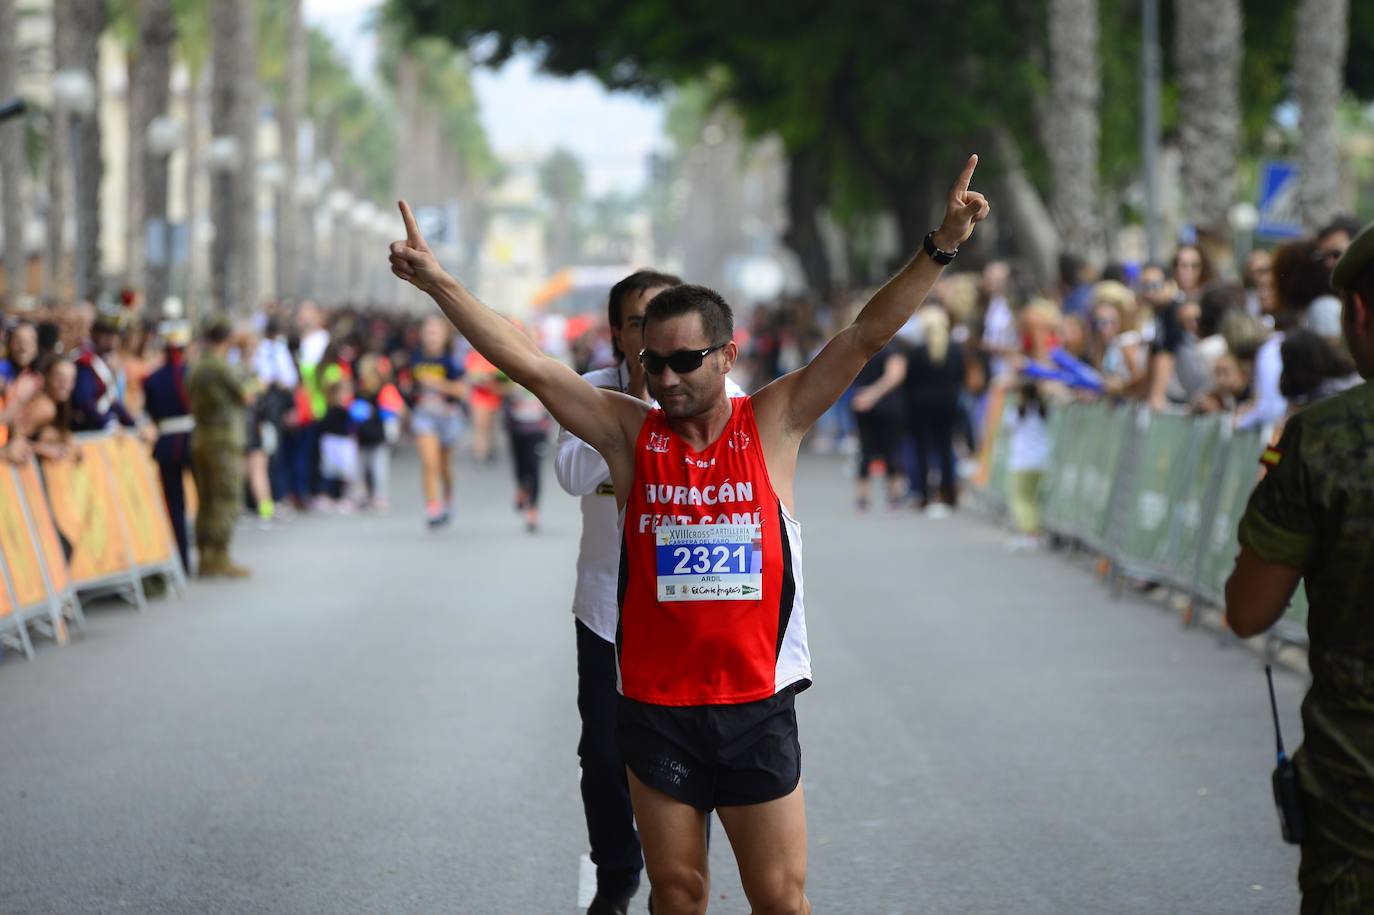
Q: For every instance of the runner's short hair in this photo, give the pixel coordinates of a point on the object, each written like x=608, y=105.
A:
x=632, y=285
x=716, y=317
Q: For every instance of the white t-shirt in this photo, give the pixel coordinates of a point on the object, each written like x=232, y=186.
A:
x=999, y=333
x=1270, y=405
x=582, y=471
x=1029, y=446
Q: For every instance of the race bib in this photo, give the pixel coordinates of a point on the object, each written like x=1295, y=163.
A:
x=709, y=562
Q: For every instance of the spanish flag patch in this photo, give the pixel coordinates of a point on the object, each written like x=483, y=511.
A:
x=1271, y=457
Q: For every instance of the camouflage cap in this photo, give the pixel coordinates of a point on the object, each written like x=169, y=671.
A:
x=217, y=325
x=111, y=321
x=1358, y=256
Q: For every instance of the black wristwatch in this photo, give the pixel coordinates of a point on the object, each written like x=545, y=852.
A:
x=940, y=257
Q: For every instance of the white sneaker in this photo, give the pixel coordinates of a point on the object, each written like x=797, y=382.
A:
x=937, y=511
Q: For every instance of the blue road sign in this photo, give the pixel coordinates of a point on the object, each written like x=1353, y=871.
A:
x=1279, y=214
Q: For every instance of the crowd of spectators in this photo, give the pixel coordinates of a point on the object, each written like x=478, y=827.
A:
x=328, y=394
x=1181, y=336
x=331, y=390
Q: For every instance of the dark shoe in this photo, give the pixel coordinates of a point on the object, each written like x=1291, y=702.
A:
x=609, y=905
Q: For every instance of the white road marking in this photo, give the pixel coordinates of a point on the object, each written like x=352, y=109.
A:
x=586, y=882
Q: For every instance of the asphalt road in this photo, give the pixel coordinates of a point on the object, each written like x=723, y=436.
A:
x=382, y=721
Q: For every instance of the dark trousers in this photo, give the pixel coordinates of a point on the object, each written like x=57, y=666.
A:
x=527, y=447
x=174, y=492
x=302, y=447
x=932, y=433
x=605, y=791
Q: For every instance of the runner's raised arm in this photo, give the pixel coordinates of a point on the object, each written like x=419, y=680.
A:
x=606, y=420
x=794, y=402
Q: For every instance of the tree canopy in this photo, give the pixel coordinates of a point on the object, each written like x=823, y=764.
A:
x=885, y=97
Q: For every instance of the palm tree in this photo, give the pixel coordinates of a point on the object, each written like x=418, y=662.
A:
x=11, y=157
x=124, y=26
x=157, y=33
x=562, y=180
x=1323, y=40
x=1073, y=125
x=233, y=114
x=86, y=22
x=293, y=271
x=193, y=47
x=1208, y=48
x=57, y=281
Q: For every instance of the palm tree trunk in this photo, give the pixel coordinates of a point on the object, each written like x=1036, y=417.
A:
x=1073, y=125
x=292, y=271
x=1030, y=221
x=234, y=264
x=1322, y=43
x=134, y=217
x=56, y=279
x=1207, y=41
x=806, y=187
x=157, y=35
x=195, y=114
x=87, y=24
x=11, y=160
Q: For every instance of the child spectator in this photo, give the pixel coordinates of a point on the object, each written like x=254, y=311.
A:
x=527, y=425
x=338, y=448
x=1230, y=382
x=1028, y=457
x=377, y=413
x=46, y=420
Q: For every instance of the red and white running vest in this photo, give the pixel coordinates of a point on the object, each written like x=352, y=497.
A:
x=710, y=573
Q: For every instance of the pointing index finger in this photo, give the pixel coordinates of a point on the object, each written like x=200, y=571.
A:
x=413, y=236
x=961, y=185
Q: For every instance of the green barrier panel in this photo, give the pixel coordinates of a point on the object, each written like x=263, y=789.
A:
x=1160, y=471
x=1091, y=427
x=1238, y=480
x=1180, y=558
x=999, y=482
x=1101, y=472
x=1062, y=480
x=1297, y=610
x=1092, y=424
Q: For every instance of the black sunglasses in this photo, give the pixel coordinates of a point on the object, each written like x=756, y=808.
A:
x=681, y=362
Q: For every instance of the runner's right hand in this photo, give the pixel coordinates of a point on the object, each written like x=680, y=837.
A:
x=411, y=260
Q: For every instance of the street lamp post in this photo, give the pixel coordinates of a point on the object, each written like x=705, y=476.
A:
x=358, y=274
x=340, y=202
x=272, y=175
x=74, y=97
x=163, y=137
x=1149, y=122
x=307, y=196
x=223, y=157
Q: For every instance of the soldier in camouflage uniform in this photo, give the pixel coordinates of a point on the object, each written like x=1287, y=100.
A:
x=1312, y=519
x=217, y=402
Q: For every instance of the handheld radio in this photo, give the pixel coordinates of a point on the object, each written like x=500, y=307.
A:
x=11, y=108
x=1286, y=796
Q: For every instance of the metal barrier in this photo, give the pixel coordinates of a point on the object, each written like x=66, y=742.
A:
x=1158, y=496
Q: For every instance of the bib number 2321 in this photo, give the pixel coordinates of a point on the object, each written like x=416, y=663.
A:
x=709, y=562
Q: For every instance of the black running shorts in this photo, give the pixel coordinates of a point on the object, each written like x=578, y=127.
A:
x=712, y=756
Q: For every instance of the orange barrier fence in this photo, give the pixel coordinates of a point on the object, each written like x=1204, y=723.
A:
x=108, y=510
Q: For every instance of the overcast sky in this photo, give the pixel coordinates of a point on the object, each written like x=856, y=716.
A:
x=525, y=112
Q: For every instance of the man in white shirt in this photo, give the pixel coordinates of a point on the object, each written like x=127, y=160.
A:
x=1000, y=340
x=582, y=471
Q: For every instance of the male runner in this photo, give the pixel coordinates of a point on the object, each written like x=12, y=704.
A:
x=711, y=642
x=583, y=472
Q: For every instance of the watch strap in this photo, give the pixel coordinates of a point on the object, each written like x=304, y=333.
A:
x=936, y=254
